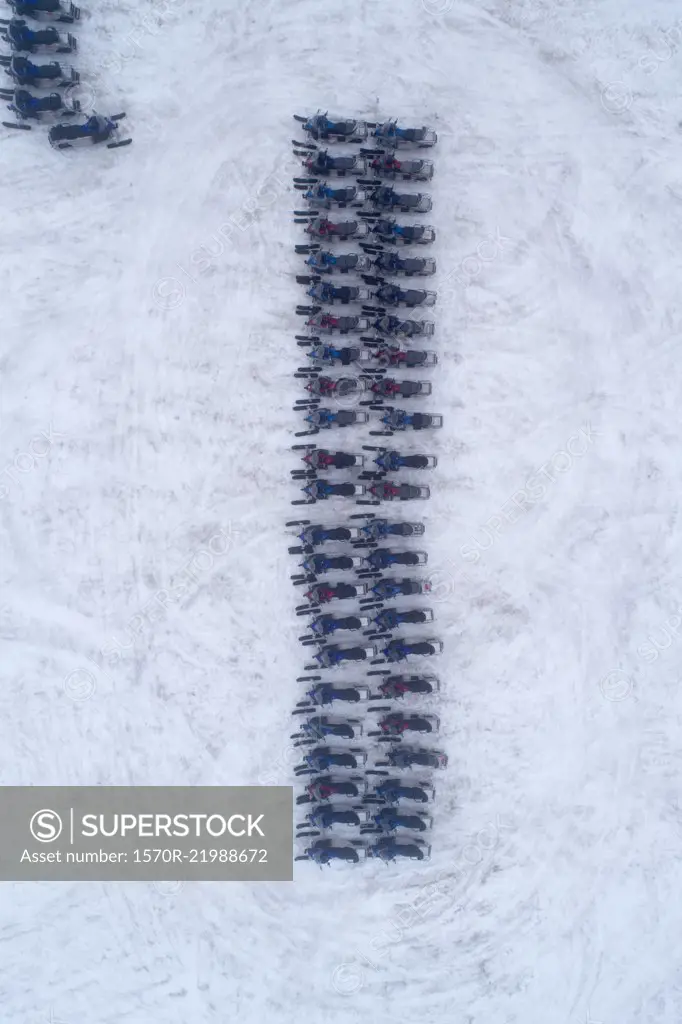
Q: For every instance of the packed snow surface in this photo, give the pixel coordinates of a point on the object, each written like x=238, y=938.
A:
x=145, y=419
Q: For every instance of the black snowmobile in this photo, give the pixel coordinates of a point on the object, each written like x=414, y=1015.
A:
x=386, y=198
x=329, y=293
x=392, y=295
x=329, y=625
x=381, y=559
x=390, y=589
x=383, y=353
x=328, y=786
x=399, y=419
x=394, y=790
x=328, y=817
x=324, y=851
x=321, y=490
x=390, y=819
x=321, y=759
x=395, y=327
x=23, y=39
x=391, y=619
x=390, y=134
x=36, y=108
x=323, y=593
x=327, y=323
x=390, y=849
x=323, y=459
x=318, y=727
x=95, y=130
x=395, y=724
x=320, y=565
x=405, y=650
x=326, y=419
x=317, y=534
x=331, y=355
x=326, y=693
x=46, y=10
x=415, y=757
x=323, y=196
x=40, y=76
x=404, y=266
x=377, y=529
x=389, y=461
x=323, y=128
x=334, y=655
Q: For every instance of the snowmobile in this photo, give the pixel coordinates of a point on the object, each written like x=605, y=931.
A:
x=320, y=490
x=323, y=196
x=386, y=165
x=328, y=293
x=46, y=10
x=326, y=693
x=387, y=590
x=404, y=266
x=390, y=619
x=389, y=232
x=319, y=726
x=327, y=323
x=320, y=162
x=330, y=816
x=322, y=227
x=390, y=819
x=384, y=354
x=321, y=458
x=388, y=387
x=336, y=387
x=375, y=530
x=334, y=655
x=328, y=625
x=381, y=559
x=396, y=724
x=323, y=593
x=383, y=197
x=405, y=650
x=390, y=849
x=327, y=263
x=327, y=786
x=23, y=39
x=322, y=128
x=398, y=419
x=389, y=461
x=392, y=295
x=96, y=129
x=317, y=534
x=329, y=355
x=390, y=134
x=321, y=759
x=398, y=687
x=326, y=419
x=394, y=790
x=29, y=107
x=394, y=327
x=324, y=851
x=320, y=565
x=387, y=490
x=415, y=757
x=40, y=76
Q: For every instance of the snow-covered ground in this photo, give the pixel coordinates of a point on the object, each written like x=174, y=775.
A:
x=144, y=428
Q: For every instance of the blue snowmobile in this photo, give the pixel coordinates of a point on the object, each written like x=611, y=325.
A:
x=328, y=263
x=46, y=10
x=328, y=293
x=391, y=135
x=329, y=419
x=94, y=130
x=326, y=693
x=390, y=461
x=317, y=535
x=29, y=107
x=389, y=232
x=321, y=759
x=376, y=530
x=321, y=127
x=324, y=197
x=327, y=625
x=331, y=355
x=329, y=815
x=27, y=40
x=327, y=786
x=321, y=490
x=320, y=162
x=414, y=757
x=25, y=72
